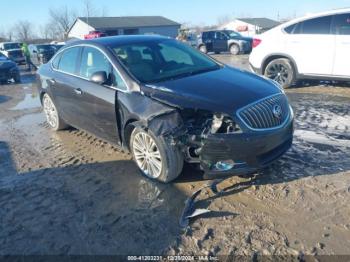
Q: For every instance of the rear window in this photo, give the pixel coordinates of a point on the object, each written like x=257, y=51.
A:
x=341, y=24
x=320, y=25
x=68, y=61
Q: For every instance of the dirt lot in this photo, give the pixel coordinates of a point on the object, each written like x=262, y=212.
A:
x=71, y=193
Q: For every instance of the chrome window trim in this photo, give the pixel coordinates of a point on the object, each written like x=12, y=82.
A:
x=288, y=118
x=99, y=49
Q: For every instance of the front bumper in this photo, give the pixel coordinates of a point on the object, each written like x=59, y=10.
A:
x=251, y=151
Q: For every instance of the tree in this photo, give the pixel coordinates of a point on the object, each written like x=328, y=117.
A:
x=63, y=18
x=224, y=19
x=23, y=30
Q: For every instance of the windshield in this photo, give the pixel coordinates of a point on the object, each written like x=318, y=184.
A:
x=155, y=61
x=9, y=46
x=45, y=48
x=232, y=34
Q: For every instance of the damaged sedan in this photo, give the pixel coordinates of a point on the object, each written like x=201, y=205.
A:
x=167, y=104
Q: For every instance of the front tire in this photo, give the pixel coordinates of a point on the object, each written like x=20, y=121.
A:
x=281, y=70
x=234, y=49
x=17, y=78
x=156, y=158
x=53, y=119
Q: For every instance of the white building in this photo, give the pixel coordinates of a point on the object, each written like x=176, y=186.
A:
x=127, y=25
x=250, y=26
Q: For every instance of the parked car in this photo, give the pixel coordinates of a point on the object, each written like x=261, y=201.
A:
x=312, y=47
x=8, y=70
x=224, y=40
x=167, y=103
x=94, y=34
x=12, y=50
x=42, y=53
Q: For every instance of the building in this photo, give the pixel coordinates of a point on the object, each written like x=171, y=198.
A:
x=250, y=26
x=127, y=25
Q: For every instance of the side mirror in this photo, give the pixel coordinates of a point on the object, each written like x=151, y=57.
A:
x=99, y=77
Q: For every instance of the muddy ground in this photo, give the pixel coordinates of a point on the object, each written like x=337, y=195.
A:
x=71, y=193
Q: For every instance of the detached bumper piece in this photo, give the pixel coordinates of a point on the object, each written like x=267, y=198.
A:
x=236, y=154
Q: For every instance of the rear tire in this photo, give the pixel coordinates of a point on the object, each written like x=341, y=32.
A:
x=203, y=49
x=234, y=49
x=156, y=158
x=53, y=119
x=282, y=71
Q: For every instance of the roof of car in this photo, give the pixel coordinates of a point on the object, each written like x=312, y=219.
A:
x=121, y=40
x=315, y=15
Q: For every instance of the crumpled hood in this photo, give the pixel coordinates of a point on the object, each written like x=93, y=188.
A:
x=224, y=90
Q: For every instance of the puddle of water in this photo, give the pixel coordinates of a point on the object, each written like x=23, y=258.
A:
x=28, y=102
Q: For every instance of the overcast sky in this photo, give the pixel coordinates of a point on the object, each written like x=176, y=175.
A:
x=189, y=11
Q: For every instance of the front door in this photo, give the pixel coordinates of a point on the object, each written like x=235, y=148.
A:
x=341, y=28
x=220, y=42
x=97, y=103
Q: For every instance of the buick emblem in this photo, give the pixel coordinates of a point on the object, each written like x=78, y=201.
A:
x=277, y=111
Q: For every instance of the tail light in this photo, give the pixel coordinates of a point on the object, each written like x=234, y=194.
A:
x=256, y=42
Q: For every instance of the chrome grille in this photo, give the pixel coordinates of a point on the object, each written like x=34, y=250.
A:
x=263, y=114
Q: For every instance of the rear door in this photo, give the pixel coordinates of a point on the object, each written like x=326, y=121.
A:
x=96, y=104
x=341, y=29
x=64, y=85
x=311, y=44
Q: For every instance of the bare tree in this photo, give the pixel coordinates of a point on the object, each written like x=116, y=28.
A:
x=63, y=18
x=10, y=33
x=90, y=10
x=224, y=19
x=23, y=30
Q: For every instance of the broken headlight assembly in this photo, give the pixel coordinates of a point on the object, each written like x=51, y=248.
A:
x=223, y=124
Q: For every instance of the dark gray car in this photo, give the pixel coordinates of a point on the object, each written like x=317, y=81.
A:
x=167, y=103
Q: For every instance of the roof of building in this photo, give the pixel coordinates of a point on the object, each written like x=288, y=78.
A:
x=127, y=21
x=261, y=22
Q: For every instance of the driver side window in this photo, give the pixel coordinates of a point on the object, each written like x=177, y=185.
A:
x=93, y=61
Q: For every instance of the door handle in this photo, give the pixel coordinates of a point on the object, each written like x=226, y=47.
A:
x=52, y=81
x=78, y=91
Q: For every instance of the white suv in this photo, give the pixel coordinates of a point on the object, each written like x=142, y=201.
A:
x=313, y=47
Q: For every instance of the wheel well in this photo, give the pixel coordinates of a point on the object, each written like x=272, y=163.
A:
x=41, y=96
x=233, y=44
x=128, y=128
x=271, y=58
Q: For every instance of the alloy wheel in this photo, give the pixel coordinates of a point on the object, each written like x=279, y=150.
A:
x=147, y=155
x=50, y=112
x=278, y=72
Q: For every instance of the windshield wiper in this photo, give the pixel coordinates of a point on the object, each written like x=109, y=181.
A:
x=186, y=74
